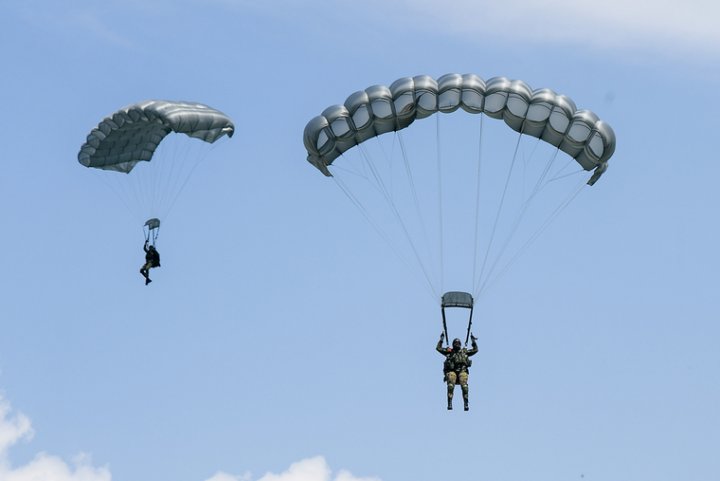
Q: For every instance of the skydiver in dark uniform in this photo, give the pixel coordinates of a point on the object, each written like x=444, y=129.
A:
x=152, y=259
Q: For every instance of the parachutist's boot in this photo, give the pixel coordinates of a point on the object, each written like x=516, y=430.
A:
x=466, y=406
x=147, y=281
x=449, y=404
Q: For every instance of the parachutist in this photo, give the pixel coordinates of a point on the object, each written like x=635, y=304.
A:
x=456, y=367
x=152, y=259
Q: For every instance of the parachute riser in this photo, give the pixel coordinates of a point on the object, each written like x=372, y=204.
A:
x=467, y=335
x=447, y=339
x=151, y=236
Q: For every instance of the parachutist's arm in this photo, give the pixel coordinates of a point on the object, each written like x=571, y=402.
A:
x=145, y=247
x=474, y=350
x=439, y=347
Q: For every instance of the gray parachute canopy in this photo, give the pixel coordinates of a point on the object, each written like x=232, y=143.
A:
x=133, y=133
x=153, y=223
x=542, y=113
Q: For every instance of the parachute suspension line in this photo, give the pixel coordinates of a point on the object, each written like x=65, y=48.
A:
x=398, y=217
x=349, y=171
x=525, y=162
x=440, y=204
x=570, y=174
x=162, y=176
x=388, y=161
x=551, y=218
x=413, y=189
x=378, y=184
x=200, y=160
x=395, y=212
x=391, y=164
x=139, y=183
x=539, y=184
x=170, y=172
x=499, y=211
x=148, y=185
x=477, y=201
x=355, y=201
x=117, y=190
x=133, y=189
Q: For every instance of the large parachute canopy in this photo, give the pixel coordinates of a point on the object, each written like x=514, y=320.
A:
x=405, y=186
x=134, y=134
x=539, y=113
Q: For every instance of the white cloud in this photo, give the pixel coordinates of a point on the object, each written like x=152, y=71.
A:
x=12, y=428
x=220, y=476
x=15, y=427
x=311, y=469
x=51, y=468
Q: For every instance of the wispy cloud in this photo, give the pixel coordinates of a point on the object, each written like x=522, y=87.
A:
x=619, y=24
x=84, y=21
x=93, y=24
x=688, y=27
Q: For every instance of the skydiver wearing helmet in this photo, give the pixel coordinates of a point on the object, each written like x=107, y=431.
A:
x=455, y=368
x=152, y=259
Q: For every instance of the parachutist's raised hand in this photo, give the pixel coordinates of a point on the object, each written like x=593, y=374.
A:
x=442, y=336
x=472, y=336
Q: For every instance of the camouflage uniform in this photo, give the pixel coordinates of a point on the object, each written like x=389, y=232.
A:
x=456, y=367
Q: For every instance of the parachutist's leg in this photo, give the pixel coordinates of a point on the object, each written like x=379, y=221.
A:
x=144, y=270
x=451, y=380
x=465, y=388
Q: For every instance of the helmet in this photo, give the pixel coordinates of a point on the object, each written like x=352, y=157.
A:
x=457, y=343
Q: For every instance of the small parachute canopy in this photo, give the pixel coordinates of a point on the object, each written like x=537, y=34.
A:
x=153, y=223
x=541, y=113
x=133, y=133
x=457, y=299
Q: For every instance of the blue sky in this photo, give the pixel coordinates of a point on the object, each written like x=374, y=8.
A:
x=282, y=339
